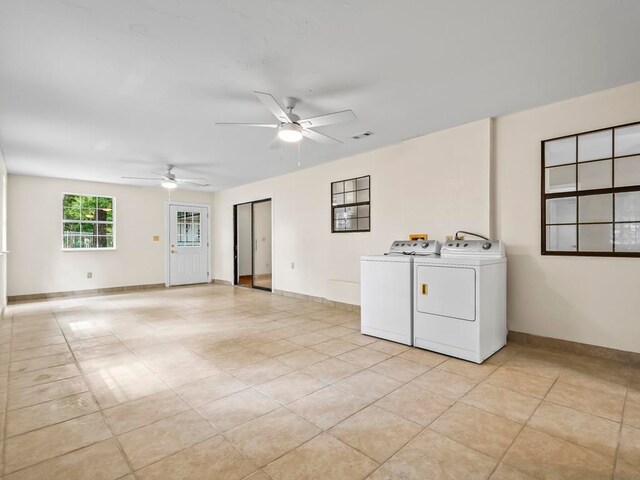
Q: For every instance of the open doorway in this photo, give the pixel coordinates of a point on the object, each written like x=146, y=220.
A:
x=252, y=244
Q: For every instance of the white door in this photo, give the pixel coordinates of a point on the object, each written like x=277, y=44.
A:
x=189, y=245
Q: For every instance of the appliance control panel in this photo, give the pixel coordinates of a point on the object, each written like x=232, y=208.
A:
x=415, y=247
x=473, y=248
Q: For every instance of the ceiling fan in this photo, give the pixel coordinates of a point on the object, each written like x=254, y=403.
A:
x=169, y=180
x=291, y=128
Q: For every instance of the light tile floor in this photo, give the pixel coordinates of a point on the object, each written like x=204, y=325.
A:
x=215, y=382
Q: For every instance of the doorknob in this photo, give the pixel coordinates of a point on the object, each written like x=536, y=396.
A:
x=173, y=251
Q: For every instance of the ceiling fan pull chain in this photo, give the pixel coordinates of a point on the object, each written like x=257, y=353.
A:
x=299, y=153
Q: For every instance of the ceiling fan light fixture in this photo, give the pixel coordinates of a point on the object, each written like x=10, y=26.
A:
x=290, y=132
x=170, y=184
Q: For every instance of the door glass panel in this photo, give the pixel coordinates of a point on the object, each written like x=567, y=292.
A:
x=561, y=238
x=594, y=175
x=593, y=146
x=628, y=237
x=561, y=210
x=595, y=208
x=627, y=140
x=262, y=268
x=596, y=238
x=559, y=152
x=188, y=229
x=627, y=171
x=561, y=179
x=628, y=207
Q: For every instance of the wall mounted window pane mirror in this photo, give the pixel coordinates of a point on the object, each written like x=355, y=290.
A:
x=252, y=246
x=591, y=193
x=88, y=222
x=350, y=205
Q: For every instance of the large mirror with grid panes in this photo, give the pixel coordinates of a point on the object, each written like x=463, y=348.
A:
x=591, y=193
x=350, y=205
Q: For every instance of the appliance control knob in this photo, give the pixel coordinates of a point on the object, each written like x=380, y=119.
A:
x=425, y=244
x=457, y=244
x=415, y=244
x=486, y=245
x=450, y=245
x=466, y=244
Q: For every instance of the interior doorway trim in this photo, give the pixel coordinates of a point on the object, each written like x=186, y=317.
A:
x=236, y=277
x=166, y=244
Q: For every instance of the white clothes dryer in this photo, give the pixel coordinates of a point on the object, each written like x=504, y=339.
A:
x=460, y=300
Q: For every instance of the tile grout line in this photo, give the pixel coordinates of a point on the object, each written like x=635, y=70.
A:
x=617, y=452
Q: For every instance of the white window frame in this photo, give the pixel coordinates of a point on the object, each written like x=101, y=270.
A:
x=113, y=223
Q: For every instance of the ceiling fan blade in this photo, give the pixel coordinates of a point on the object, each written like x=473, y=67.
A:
x=189, y=179
x=319, y=137
x=328, y=119
x=273, y=106
x=142, y=178
x=267, y=125
x=195, y=184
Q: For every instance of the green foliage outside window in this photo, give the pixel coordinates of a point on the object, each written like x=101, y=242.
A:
x=88, y=221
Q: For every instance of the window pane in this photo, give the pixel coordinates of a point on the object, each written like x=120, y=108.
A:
x=89, y=203
x=593, y=146
x=627, y=171
x=338, y=213
x=351, y=224
x=561, y=238
x=349, y=185
x=627, y=140
x=88, y=214
x=628, y=207
x=72, y=201
x=559, y=152
x=88, y=241
x=363, y=224
x=101, y=215
x=337, y=187
x=350, y=197
x=594, y=175
x=71, y=227
x=351, y=212
x=87, y=228
x=105, y=203
x=561, y=210
x=363, y=211
x=338, y=199
x=596, y=238
x=363, y=196
x=71, y=213
x=339, y=224
x=628, y=237
x=595, y=208
x=561, y=179
x=362, y=183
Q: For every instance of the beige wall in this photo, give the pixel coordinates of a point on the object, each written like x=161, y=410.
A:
x=436, y=184
x=37, y=263
x=587, y=299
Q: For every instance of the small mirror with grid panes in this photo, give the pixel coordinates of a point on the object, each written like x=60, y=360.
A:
x=591, y=193
x=350, y=205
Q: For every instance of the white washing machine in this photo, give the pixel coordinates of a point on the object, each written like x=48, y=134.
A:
x=386, y=290
x=460, y=300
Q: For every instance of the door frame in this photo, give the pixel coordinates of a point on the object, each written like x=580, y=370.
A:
x=167, y=233
x=235, y=243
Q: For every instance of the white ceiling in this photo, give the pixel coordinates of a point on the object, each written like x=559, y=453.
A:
x=97, y=89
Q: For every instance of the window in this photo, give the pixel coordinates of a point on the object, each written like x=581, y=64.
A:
x=87, y=222
x=188, y=229
x=350, y=209
x=591, y=193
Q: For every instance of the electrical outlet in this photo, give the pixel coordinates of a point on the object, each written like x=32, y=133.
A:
x=89, y=274
x=293, y=265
